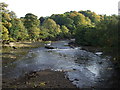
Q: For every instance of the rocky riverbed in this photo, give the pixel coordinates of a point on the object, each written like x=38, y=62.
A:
x=62, y=66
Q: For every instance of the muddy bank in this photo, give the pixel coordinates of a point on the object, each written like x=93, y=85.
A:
x=87, y=48
x=39, y=79
x=16, y=50
x=23, y=44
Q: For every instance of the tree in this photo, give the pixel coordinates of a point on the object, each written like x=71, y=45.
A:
x=80, y=35
x=3, y=7
x=32, y=25
x=4, y=33
x=12, y=15
x=51, y=27
x=64, y=32
x=91, y=37
x=18, y=31
x=41, y=20
x=61, y=19
x=92, y=15
x=79, y=20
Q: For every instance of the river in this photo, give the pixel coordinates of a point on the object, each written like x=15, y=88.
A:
x=83, y=68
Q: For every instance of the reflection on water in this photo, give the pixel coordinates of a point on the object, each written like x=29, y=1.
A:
x=82, y=68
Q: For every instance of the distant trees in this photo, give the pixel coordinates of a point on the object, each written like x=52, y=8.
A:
x=103, y=34
x=32, y=25
x=91, y=15
x=62, y=19
x=86, y=27
x=80, y=35
x=64, y=32
x=50, y=26
x=79, y=20
x=18, y=31
x=108, y=29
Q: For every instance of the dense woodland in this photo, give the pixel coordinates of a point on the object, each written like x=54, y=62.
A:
x=87, y=27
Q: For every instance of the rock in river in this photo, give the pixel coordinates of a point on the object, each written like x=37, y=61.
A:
x=49, y=47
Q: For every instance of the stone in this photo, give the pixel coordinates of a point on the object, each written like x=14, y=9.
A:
x=49, y=47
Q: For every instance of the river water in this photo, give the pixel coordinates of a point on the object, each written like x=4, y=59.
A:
x=84, y=69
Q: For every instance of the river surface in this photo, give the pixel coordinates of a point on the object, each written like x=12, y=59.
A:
x=84, y=69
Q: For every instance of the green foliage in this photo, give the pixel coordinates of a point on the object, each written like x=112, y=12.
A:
x=64, y=29
x=91, y=37
x=91, y=15
x=51, y=28
x=32, y=25
x=80, y=35
x=80, y=20
x=34, y=33
x=103, y=34
x=64, y=32
x=31, y=20
x=12, y=15
x=62, y=19
x=4, y=33
x=3, y=6
x=18, y=31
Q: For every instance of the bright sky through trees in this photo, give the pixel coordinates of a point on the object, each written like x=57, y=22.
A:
x=49, y=7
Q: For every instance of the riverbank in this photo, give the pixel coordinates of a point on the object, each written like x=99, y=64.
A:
x=23, y=44
x=16, y=50
x=29, y=68
x=40, y=79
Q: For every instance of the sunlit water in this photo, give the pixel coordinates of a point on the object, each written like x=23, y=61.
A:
x=84, y=69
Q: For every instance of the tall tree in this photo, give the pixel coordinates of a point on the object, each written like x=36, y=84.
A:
x=32, y=25
x=18, y=31
x=4, y=34
x=92, y=15
x=51, y=27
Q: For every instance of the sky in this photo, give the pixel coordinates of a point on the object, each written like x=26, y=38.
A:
x=49, y=7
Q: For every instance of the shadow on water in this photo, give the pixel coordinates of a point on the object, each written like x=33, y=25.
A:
x=84, y=69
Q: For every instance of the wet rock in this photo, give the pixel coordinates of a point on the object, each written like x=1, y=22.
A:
x=100, y=62
x=71, y=46
x=101, y=80
x=76, y=61
x=98, y=53
x=74, y=69
x=49, y=47
x=14, y=47
x=76, y=79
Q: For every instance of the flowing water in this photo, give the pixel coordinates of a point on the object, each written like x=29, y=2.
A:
x=84, y=69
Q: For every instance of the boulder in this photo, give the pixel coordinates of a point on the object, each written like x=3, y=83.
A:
x=49, y=47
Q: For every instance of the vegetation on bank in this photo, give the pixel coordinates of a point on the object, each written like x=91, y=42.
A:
x=87, y=27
